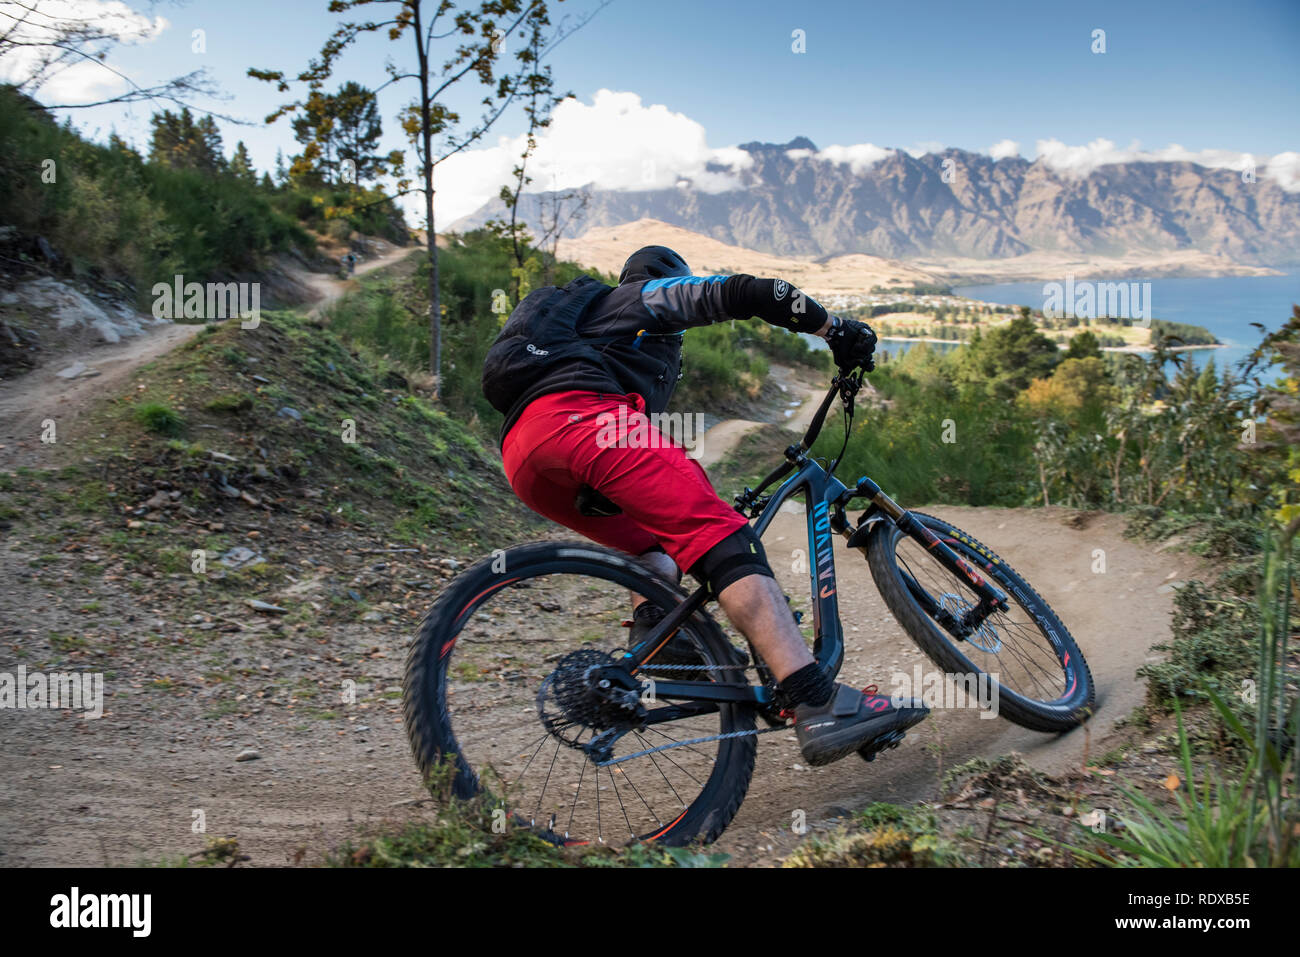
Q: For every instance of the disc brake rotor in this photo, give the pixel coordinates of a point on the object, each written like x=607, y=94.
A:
x=985, y=637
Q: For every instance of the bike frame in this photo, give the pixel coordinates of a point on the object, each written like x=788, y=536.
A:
x=826, y=499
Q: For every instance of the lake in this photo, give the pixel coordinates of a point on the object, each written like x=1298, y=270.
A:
x=1226, y=305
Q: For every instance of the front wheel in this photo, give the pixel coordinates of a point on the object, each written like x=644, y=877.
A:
x=1042, y=681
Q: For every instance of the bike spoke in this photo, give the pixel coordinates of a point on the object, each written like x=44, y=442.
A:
x=631, y=832
x=637, y=791
x=683, y=747
x=655, y=761
x=568, y=828
x=1019, y=653
x=546, y=783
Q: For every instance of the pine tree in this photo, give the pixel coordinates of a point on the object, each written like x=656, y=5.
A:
x=179, y=142
x=433, y=125
x=1083, y=345
x=241, y=165
x=356, y=131
x=338, y=129
x=209, y=156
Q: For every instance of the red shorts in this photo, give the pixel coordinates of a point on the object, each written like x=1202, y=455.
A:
x=563, y=441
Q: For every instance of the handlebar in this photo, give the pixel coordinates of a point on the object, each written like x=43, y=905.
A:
x=845, y=385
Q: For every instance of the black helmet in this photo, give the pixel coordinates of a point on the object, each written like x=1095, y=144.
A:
x=653, y=262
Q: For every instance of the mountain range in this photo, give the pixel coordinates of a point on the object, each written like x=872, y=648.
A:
x=789, y=201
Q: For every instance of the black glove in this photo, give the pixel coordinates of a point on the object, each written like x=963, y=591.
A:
x=852, y=343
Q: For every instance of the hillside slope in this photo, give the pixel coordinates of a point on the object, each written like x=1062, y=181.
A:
x=606, y=248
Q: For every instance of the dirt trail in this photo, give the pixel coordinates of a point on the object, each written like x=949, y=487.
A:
x=801, y=404
x=29, y=400
x=329, y=288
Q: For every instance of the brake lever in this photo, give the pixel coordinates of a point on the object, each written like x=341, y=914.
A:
x=849, y=385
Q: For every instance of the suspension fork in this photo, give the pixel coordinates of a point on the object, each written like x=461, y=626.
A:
x=991, y=598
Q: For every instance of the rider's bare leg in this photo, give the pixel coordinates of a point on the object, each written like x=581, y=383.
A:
x=756, y=605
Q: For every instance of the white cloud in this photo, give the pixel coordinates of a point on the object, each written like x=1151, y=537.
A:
x=1078, y=161
x=923, y=147
x=1285, y=169
x=1003, y=149
x=859, y=158
x=83, y=81
x=615, y=142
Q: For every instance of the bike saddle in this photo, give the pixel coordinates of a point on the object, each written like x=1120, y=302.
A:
x=592, y=503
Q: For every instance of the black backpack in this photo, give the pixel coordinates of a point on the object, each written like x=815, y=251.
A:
x=541, y=333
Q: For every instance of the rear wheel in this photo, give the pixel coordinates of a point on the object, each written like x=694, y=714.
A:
x=1043, y=682
x=499, y=684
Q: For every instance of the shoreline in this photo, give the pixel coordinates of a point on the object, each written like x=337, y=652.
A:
x=962, y=342
x=1096, y=270
x=1203, y=345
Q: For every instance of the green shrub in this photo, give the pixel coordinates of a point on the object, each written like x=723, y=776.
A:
x=159, y=418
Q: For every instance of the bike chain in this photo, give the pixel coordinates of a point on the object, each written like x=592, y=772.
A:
x=682, y=744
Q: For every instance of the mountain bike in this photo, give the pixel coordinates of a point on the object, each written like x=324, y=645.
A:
x=520, y=669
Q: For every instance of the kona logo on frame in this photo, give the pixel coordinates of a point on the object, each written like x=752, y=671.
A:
x=822, y=530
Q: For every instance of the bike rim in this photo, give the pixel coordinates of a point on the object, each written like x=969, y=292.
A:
x=525, y=739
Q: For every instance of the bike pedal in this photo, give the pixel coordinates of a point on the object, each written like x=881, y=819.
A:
x=886, y=742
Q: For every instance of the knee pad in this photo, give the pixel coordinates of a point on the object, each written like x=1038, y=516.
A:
x=738, y=555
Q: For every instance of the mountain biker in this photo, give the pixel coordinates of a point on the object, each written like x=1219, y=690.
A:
x=651, y=500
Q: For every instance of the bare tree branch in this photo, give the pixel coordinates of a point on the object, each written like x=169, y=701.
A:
x=61, y=41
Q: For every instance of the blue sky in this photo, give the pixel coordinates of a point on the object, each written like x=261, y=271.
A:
x=1206, y=76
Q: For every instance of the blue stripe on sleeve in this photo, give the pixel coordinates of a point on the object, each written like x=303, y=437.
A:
x=654, y=285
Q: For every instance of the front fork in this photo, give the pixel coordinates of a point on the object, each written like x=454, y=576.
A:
x=991, y=598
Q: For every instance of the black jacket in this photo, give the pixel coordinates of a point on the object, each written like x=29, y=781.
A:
x=648, y=320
